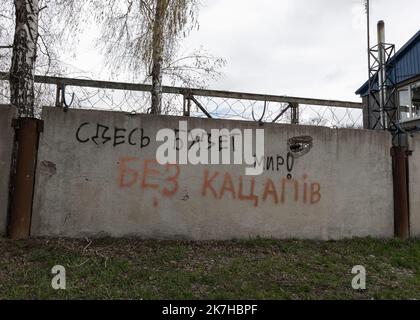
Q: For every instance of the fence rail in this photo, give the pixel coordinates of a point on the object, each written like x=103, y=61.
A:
x=131, y=97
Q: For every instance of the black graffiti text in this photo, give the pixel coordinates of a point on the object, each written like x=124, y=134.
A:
x=101, y=134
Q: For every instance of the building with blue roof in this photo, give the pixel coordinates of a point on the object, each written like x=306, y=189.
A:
x=403, y=71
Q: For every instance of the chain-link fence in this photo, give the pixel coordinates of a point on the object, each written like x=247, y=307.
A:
x=136, y=98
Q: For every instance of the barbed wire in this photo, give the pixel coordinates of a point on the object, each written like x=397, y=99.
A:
x=174, y=104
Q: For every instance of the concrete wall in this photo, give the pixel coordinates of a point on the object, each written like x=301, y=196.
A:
x=7, y=113
x=95, y=186
x=414, y=186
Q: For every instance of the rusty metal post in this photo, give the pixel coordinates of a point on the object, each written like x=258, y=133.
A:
x=401, y=203
x=23, y=177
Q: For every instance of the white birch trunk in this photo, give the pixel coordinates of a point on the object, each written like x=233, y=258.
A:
x=24, y=56
x=157, y=55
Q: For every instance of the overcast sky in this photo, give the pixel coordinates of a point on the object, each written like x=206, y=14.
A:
x=304, y=48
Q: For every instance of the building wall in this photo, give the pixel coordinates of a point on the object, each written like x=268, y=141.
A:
x=7, y=113
x=89, y=186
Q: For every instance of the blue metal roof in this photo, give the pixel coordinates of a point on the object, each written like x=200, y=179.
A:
x=406, y=64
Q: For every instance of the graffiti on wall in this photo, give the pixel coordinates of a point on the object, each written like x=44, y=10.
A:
x=102, y=134
x=136, y=173
x=149, y=175
x=219, y=185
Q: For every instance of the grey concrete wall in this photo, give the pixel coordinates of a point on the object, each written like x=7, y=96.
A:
x=7, y=113
x=342, y=188
x=414, y=186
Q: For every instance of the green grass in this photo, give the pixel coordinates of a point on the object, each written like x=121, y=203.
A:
x=255, y=269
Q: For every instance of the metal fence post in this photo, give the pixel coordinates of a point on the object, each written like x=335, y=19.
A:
x=57, y=96
x=23, y=177
x=401, y=204
x=186, y=106
x=295, y=113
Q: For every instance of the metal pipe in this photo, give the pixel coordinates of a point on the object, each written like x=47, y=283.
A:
x=27, y=136
x=382, y=74
x=401, y=197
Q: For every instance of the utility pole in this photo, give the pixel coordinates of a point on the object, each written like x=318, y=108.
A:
x=367, y=8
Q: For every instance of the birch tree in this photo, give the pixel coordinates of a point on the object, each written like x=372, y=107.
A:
x=24, y=53
x=171, y=18
x=143, y=37
x=139, y=38
x=21, y=59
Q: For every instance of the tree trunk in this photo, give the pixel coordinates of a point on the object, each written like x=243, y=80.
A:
x=157, y=55
x=24, y=55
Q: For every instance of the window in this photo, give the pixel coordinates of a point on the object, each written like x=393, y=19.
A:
x=404, y=99
x=415, y=98
x=409, y=102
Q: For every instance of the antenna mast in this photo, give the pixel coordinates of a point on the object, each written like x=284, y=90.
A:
x=367, y=8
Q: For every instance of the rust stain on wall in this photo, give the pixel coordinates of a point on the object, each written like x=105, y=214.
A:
x=48, y=168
